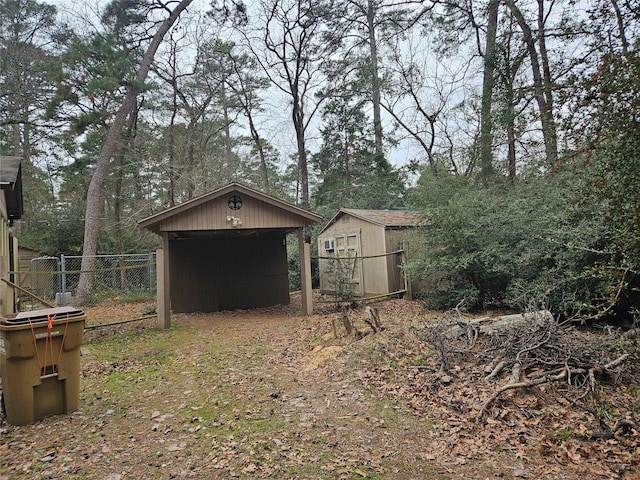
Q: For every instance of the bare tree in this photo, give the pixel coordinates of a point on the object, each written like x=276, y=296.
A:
x=245, y=84
x=541, y=74
x=289, y=48
x=193, y=93
x=94, y=193
x=421, y=94
x=371, y=24
x=475, y=24
x=486, y=124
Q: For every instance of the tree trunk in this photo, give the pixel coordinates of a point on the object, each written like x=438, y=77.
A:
x=94, y=193
x=172, y=132
x=303, y=166
x=486, y=123
x=549, y=131
x=547, y=85
x=621, y=28
x=119, y=180
x=264, y=171
x=228, y=150
x=511, y=143
x=375, y=80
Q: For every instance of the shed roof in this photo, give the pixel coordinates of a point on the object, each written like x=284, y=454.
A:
x=300, y=216
x=384, y=218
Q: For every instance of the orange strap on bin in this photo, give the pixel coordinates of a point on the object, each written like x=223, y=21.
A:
x=64, y=336
x=49, y=343
x=48, y=346
x=35, y=345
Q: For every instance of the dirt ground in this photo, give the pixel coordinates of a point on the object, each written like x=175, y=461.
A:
x=270, y=394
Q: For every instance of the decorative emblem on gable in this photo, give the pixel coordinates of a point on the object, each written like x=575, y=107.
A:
x=234, y=202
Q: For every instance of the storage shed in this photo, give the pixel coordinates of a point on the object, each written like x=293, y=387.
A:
x=226, y=250
x=361, y=251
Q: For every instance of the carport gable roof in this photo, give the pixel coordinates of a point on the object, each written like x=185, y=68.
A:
x=383, y=218
x=211, y=211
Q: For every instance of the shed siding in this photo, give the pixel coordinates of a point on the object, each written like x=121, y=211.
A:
x=394, y=239
x=372, y=242
x=213, y=216
x=382, y=232
x=228, y=272
x=3, y=206
x=376, y=268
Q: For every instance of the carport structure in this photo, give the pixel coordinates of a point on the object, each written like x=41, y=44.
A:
x=226, y=250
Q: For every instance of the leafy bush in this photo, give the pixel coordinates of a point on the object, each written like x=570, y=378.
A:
x=511, y=245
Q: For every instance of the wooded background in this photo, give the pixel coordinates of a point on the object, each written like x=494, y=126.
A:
x=512, y=127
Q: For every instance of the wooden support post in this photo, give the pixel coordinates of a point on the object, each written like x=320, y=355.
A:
x=304, y=250
x=164, y=285
x=407, y=280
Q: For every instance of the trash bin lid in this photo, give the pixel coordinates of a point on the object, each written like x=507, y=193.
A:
x=42, y=315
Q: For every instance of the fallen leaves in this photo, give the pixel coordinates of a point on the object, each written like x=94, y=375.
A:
x=535, y=425
x=266, y=394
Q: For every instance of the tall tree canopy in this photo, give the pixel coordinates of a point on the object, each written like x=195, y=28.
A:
x=510, y=125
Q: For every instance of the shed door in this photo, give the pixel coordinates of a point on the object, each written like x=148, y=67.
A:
x=348, y=247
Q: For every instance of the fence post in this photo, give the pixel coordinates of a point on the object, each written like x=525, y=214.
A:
x=152, y=274
x=63, y=275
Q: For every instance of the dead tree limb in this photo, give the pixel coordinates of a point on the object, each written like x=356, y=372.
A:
x=373, y=319
x=616, y=362
x=625, y=425
x=529, y=383
x=487, y=326
x=346, y=322
x=516, y=373
x=496, y=370
x=564, y=374
x=350, y=327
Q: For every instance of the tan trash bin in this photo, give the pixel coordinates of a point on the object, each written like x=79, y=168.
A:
x=40, y=363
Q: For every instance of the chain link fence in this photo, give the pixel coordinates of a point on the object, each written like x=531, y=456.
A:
x=125, y=276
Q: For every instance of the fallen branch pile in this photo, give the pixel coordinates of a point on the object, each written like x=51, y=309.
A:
x=541, y=399
x=519, y=352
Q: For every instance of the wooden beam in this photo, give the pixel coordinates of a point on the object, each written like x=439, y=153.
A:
x=304, y=250
x=405, y=274
x=164, y=284
x=18, y=287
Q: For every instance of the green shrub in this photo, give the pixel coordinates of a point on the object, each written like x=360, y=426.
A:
x=511, y=245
